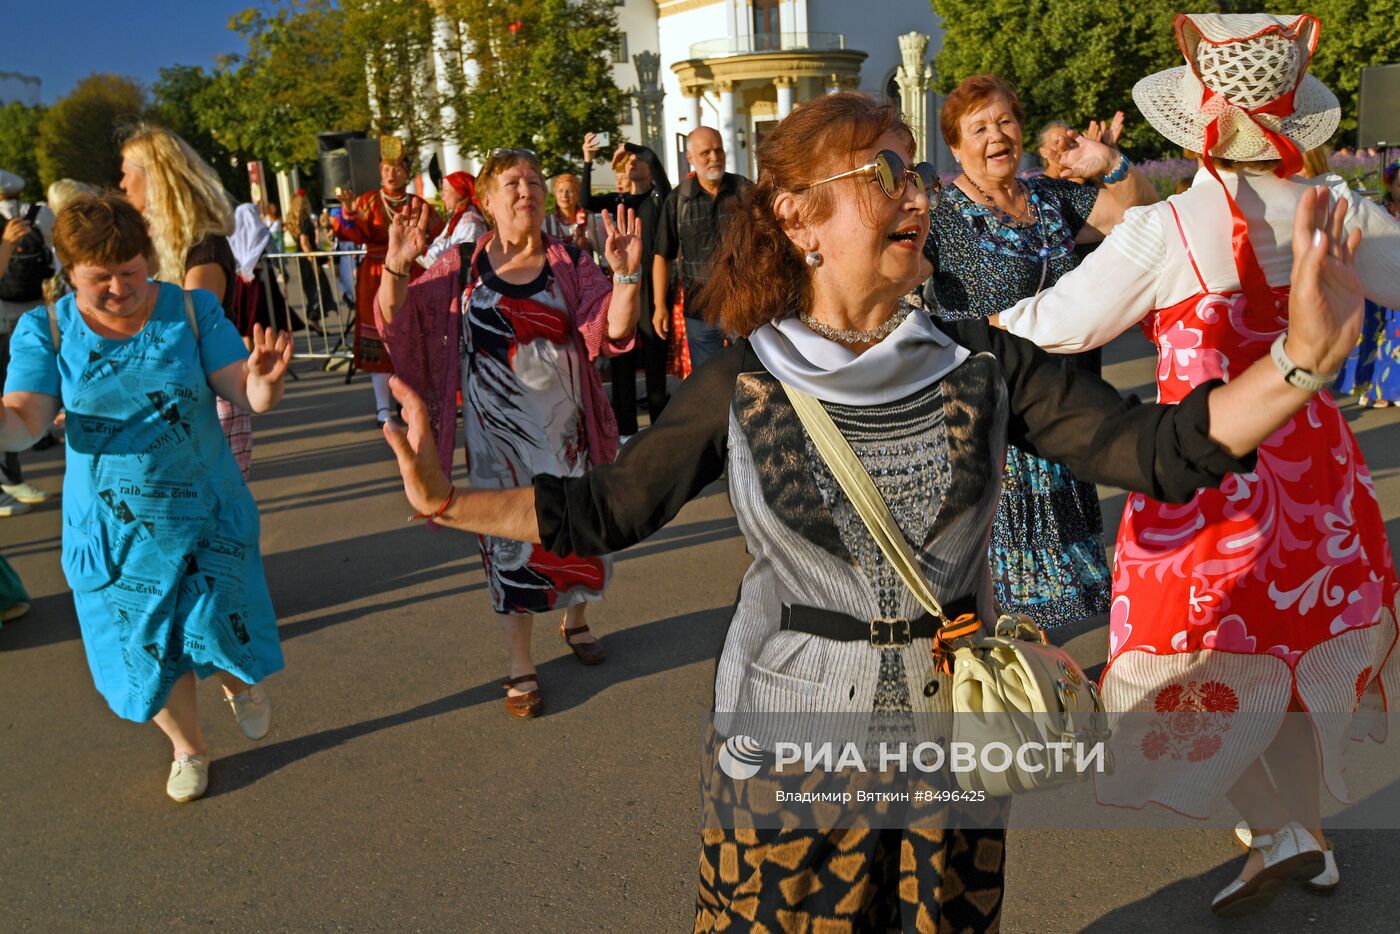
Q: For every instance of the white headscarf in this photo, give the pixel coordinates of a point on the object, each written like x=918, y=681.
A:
x=250, y=238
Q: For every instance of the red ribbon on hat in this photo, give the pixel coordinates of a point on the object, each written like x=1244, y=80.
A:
x=1253, y=282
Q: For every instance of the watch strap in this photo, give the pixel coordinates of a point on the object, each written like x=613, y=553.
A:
x=1295, y=375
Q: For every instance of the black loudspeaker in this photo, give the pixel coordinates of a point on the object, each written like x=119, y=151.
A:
x=1378, y=115
x=348, y=160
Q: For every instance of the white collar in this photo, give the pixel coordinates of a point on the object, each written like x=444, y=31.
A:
x=915, y=355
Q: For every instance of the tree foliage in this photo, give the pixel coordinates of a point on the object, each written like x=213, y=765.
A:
x=394, y=41
x=175, y=106
x=300, y=76
x=79, y=136
x=19, y=137
x=541, y=76
x=1079, y=61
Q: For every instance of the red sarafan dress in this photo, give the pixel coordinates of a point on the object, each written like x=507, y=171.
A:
x=1277, y=586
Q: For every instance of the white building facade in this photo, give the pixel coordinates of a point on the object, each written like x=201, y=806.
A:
x=740, y=66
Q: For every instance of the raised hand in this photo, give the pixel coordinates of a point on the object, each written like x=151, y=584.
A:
x=1086, y=158
x=590, y=146
x=270, y=356
x=1325, y=304
x=1114, y=132
x=408, y=236
x=16, y=229
x=416, y=451
x=623, y=248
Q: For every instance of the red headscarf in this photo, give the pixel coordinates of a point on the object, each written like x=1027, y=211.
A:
x=464, y=183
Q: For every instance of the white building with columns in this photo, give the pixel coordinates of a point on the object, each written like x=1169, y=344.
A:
x=742, y=65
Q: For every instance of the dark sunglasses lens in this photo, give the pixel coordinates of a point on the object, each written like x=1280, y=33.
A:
x=889, y=168
x=928, y=179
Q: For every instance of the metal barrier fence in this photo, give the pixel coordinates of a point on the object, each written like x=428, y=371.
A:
x=313, y=292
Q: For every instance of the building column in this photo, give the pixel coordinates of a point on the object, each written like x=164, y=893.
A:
x=728, y=123
x=785, y=86
x=691, y=95
x=445, y=61
x=913, y=80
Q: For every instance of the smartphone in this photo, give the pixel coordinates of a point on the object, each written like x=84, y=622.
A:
x=32, y=214
x=603, y=140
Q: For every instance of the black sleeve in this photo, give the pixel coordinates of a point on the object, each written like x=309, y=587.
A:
x=668, y=243
x=588, y=199
x=660, y=470
x=215, y=249
x=1076, y=418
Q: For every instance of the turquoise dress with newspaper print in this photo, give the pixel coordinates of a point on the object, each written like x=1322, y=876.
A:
x=160, y=533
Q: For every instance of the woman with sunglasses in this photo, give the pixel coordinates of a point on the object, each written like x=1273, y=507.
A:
x=997, y=238
x=813, y=280
x=514, y=322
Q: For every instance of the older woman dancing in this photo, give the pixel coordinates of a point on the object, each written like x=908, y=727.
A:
x=160, y=533
x=814, y=277
x=1276, y=592
x=995, y=239
x=515, y=321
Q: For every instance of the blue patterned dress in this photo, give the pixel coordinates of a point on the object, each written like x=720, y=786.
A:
x=160, y=533
x=1046, y=553
x=1372, y=371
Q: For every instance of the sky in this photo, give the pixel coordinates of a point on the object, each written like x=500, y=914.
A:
x=63, y=41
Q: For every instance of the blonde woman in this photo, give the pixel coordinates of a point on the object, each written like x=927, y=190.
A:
x=190, y=217
x=315, y=287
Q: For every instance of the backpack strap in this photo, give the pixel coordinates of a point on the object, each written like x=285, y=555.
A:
x=54, y=333
x=189, y=314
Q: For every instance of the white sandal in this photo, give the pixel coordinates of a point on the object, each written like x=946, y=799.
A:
x=1324, y=883
x=1289, y=853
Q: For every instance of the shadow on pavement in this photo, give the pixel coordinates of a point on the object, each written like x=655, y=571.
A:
x=637, y=652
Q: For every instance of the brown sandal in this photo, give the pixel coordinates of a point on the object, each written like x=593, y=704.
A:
x=528, y=705
x=590, y=653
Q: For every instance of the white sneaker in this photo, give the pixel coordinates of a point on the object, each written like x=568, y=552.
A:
x=1289, y=853
x=189, y=778
x=1324, y=882
x=9, y=506
x=253, y=711
x=26, y=493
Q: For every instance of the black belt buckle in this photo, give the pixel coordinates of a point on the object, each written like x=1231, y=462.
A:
x=886, y=631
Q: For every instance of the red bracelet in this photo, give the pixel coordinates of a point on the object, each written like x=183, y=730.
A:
x=441, y=509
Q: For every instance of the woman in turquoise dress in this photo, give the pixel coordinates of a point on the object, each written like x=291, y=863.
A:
x=160, y=533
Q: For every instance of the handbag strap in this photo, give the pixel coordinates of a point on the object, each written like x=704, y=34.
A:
x=855, y=482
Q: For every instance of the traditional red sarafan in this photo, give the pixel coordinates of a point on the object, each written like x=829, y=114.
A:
x=1277, y=586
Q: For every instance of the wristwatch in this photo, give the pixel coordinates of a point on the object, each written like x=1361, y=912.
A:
x=1295, y=375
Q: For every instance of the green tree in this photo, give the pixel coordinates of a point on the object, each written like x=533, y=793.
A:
x=19, y=136
x=1355, y=34
x=541, y=76
x=394, y=40
x=175, y=106
x=1079, y=62
x=301, y=75
x=79, y=135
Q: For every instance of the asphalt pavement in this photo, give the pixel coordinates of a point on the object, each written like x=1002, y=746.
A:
x=394, y=794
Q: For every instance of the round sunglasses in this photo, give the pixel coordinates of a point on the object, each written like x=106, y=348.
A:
x=890, y=170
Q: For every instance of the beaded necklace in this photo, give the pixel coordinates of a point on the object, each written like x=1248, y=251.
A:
x=1036, y=220
x=848, y=336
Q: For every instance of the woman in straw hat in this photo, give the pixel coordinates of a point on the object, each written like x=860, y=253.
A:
x=1277, y=592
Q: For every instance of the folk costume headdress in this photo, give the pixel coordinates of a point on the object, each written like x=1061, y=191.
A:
x=1244, y=94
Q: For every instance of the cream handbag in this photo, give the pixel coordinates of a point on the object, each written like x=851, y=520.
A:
x=1012, y=689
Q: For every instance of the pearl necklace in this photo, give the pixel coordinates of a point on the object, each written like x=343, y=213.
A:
x=848, y=336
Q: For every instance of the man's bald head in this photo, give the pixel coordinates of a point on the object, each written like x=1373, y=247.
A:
x=704, y=149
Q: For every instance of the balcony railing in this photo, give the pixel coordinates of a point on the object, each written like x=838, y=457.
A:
x=769, y=42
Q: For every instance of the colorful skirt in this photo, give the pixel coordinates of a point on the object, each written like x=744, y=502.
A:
x=1046, y=552
x=1372, y=371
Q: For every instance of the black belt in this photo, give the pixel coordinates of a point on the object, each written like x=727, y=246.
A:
x=881, y=632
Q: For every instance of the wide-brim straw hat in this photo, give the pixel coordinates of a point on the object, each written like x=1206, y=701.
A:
x=1249, y=73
